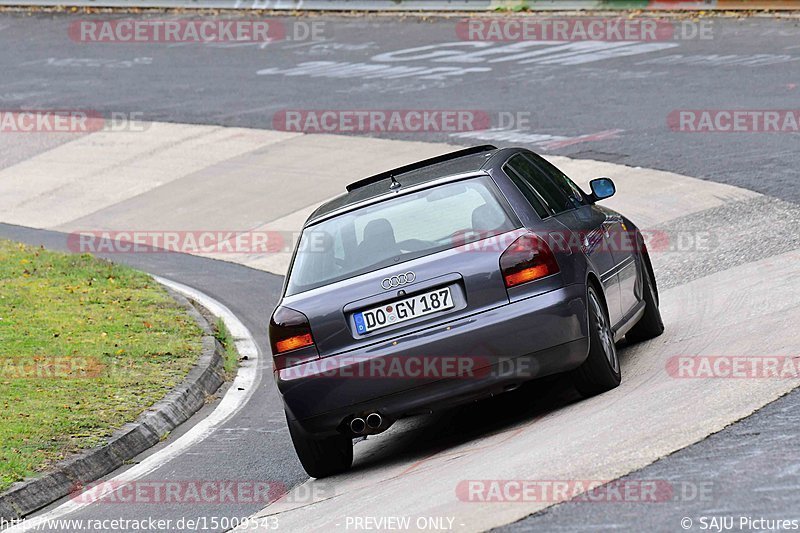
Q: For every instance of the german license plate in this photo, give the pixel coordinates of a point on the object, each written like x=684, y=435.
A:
x=402, y=310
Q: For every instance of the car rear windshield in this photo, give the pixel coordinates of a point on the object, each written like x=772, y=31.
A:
x=399, y=229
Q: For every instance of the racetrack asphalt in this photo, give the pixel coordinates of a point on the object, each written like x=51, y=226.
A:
x=635, y=94
x=749, y=63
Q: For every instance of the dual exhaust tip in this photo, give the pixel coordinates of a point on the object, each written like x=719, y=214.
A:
x=359, y=425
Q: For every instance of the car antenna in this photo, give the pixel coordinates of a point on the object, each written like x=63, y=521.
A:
x=395, y=184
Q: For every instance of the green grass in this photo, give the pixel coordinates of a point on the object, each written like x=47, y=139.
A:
x=512, y=7
x=231, y=355
x=85, y=346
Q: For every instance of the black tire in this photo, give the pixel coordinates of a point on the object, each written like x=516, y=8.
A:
x=321, y=457
x=650, y=325
x=601, y=370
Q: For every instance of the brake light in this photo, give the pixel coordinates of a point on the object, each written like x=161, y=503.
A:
x=289, y=330
x=527, y=259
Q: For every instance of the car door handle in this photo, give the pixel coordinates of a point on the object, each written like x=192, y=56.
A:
x=609, y=222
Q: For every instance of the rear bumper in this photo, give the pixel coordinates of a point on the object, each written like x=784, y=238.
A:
x=445, y=365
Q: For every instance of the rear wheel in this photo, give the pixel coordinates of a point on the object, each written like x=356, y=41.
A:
x=321, y=457
x=650, y=325
x=601, y=370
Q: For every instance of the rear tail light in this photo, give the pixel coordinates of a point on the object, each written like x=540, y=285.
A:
x=527, y=259
x=290, y=337
x=293, y=343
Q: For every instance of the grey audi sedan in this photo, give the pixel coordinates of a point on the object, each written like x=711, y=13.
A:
x=450, y=280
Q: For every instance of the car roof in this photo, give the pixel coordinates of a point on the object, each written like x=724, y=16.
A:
x=472, y=159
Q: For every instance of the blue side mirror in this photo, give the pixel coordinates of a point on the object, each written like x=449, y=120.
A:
x=602, y=188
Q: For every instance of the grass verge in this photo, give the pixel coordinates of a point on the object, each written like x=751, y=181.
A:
x=85, y=347
x=225, y=338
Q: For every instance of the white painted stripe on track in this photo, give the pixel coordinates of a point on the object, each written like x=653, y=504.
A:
x=237, y=396
x=101, y=169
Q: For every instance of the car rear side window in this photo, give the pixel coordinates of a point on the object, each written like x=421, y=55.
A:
x=556, y=199
x=533, y=197
x=399, y=229
x=561, y=180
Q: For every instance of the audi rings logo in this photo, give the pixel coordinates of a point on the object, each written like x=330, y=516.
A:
x=396, y=281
